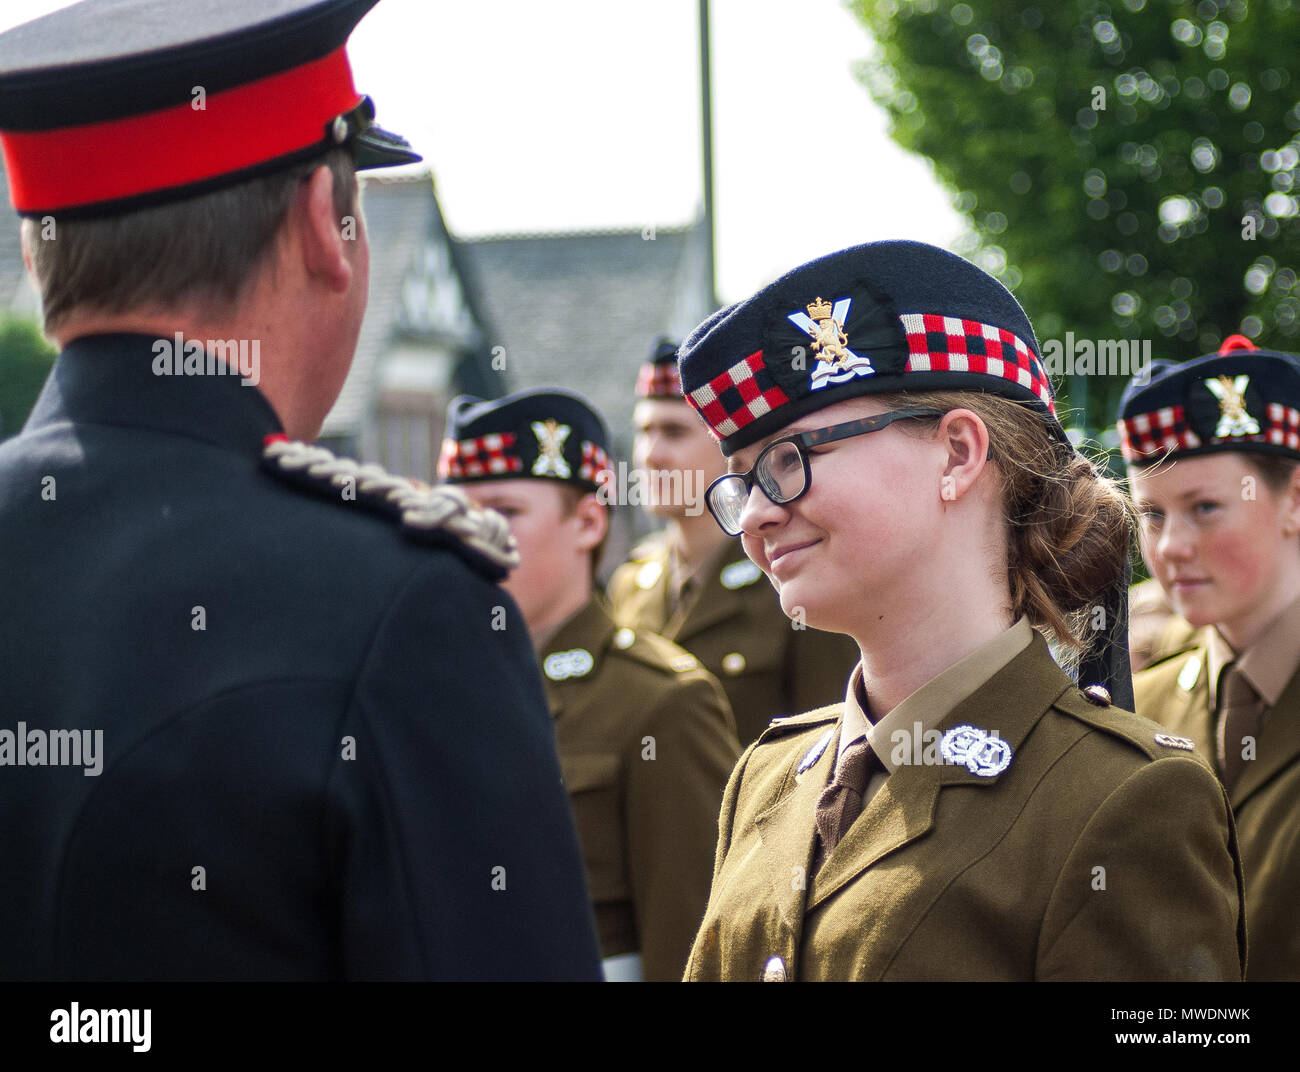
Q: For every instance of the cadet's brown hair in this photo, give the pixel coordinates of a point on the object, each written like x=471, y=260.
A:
x=1069, y=527
x=204, y=248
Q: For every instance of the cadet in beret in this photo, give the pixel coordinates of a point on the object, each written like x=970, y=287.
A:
x=645, y=734
x=1213, y=448
x=966, y=812
x=693, y=584
x=254, y=703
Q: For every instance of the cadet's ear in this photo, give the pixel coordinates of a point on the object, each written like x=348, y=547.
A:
x=593, y=521
x=325, y=252
x=966, y=439
x=1291, y=504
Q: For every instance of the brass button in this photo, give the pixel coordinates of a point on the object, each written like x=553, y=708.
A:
x=733, y=663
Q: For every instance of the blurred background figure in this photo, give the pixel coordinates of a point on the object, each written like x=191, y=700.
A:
x=1213, y=448
x=1154, y=627
x=645, y=734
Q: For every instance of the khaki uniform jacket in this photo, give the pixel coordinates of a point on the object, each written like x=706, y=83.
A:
x=646, y=741
x=1096, y=854
x=1265, y=799
x=736, y=628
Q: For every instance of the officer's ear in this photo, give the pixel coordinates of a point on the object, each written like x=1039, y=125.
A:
x=324, y=248
x=24, y=233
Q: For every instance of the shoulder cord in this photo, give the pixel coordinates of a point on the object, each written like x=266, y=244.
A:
x=441, y=507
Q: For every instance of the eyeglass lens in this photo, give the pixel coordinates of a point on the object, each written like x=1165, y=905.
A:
x=779, y=472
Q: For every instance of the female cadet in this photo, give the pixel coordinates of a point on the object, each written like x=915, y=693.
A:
x=899, y=474
x=1212, y=447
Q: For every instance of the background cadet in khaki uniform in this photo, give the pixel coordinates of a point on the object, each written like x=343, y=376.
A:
x=693, y=584
x=965, y=812
x=645, y=735
x=1213, y=448
x=1154, y=628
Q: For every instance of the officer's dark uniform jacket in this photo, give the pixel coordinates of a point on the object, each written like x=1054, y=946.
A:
x=733, y=623
x=319, y=758
x=1176, y=691
x=646, y=742
x=1097, y=853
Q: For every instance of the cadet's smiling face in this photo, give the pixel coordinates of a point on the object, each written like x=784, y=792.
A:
x=1221, y=542
x=670, y=437
x=868, y=519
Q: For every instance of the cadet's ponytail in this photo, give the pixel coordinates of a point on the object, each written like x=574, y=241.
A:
x=1069, y=527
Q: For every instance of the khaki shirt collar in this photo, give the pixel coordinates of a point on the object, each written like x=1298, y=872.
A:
x=932, y=702
x=679, y=574
x=1268, y=664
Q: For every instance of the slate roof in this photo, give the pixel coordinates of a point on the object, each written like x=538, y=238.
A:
x=581, y=310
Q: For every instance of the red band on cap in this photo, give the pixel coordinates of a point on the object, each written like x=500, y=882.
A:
x=1236, y=342
x=178, y=146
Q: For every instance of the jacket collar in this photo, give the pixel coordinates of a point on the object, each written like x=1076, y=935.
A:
x=110, y=380
x=1277, y=748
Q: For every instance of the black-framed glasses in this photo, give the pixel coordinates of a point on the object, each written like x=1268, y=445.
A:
x=782, y=469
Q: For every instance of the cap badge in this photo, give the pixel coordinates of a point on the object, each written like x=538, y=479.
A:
x=774, y=970
x=1234, y=420
x=836, y=363
x=981, y=753
x=551, y=435
x=560, y=665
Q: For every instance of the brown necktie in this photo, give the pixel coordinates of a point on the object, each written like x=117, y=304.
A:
x=1240, y=714
x=841, y=801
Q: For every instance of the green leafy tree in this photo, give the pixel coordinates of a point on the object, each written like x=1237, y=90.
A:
x=1129, y=169
x=25, y=359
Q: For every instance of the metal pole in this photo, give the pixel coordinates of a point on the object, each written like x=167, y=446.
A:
x=706, y=128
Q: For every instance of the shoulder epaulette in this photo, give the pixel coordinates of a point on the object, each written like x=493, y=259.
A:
x=1143, y=734
x=439, y=516
x=1189, y=643
x=791, y=724
x=655, y=651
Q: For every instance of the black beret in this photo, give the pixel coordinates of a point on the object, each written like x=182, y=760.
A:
x=114, y=104
x=1239, y=399
x=657, y=377
x=886, y=316
x=547, y=434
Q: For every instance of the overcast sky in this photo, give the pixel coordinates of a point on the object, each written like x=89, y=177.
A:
x=584, y=114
